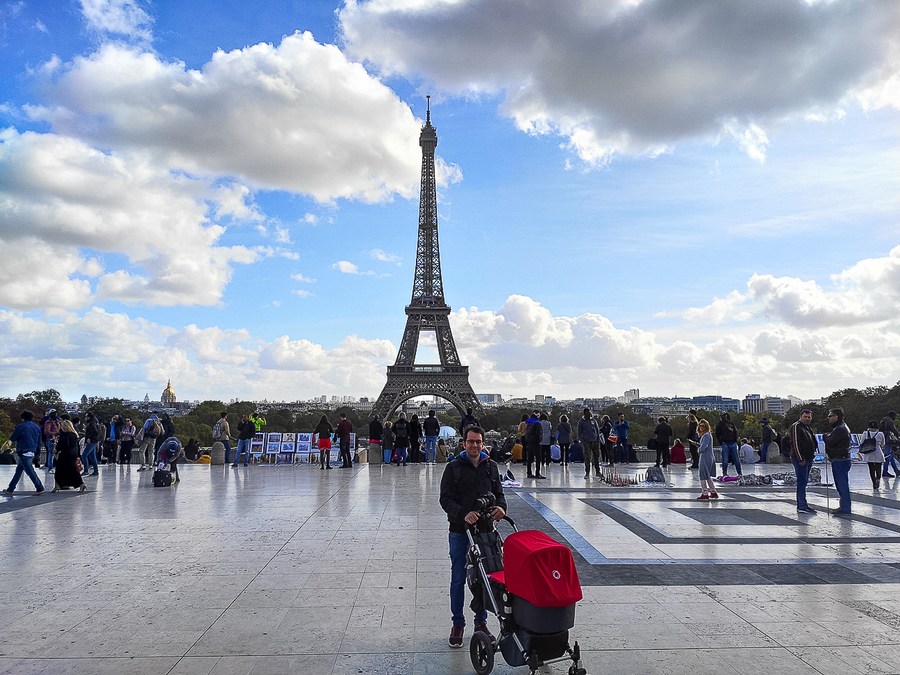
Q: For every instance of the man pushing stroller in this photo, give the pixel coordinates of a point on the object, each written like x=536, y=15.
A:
x=466, y=479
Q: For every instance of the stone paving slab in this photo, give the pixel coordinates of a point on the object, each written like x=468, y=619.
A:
x=292, y=570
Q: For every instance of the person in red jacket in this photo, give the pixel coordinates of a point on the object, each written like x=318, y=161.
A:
x=344, y=429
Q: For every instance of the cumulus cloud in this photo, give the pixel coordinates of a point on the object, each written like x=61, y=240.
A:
x=59, y=197
x=300, y=277
x=345, y=267
x=299, y=117
x=124, y=356
x=638, y=77
x=123, y=17
x=378, y=254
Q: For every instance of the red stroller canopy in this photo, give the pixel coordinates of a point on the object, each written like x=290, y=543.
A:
x=540, y=570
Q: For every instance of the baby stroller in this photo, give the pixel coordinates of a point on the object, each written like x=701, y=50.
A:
x=533, y=595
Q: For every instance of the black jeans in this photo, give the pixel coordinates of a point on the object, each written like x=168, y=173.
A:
x=874, y=472
x=533, y=454
x=345, y=452
x=564, y=453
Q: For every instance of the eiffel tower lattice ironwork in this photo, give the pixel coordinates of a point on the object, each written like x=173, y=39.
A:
x=427, y=312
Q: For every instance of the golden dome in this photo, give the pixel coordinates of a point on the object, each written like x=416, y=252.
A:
x=168, y=396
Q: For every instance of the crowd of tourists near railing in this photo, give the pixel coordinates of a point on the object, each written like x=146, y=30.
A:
x=71, y=448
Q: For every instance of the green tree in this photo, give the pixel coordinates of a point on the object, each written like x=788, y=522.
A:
x=105, y=408
x=48, y=398
x=187, y=428
x=6, y=427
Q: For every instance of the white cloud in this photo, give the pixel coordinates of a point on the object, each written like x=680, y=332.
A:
x=303, y=293
x=123, y=17
x=720, y=310
x=297, y=117
x=378, y=254
x=59, y=193
x=309, y=218
x=300, y=277
x=39, y=25
x=345, y=267
x=638, y=77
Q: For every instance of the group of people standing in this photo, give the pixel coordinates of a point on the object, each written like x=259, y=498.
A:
x=401, y=442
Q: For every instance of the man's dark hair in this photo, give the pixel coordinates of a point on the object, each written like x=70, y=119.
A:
x=473, y=429
x=223, y=414
x=27, y=415
x=343, y=416
x=431, y=413
x=873, y=424
x=468, y=411
x=587, y=413
x=838, y=412
x=892, y=414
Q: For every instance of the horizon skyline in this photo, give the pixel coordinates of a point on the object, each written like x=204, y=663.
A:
x=648, y=194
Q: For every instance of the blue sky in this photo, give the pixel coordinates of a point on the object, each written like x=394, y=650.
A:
x=653, y=194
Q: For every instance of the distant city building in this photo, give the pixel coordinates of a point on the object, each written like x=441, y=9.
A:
x=147, y=398
x=490, y=398
x=84, y=399
x=776, y=406
x=752, y=403
x=720, y=403
x=631, y=395
x=538, y=398
x=168, y=396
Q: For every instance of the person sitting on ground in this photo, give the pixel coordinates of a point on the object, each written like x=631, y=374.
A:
x=192, y=450
x=677, y=453
x=746, y=452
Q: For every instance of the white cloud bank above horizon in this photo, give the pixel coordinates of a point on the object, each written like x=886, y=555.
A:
x=637, y=77
x=520, y=348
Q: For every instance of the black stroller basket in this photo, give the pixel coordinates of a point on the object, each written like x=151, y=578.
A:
x=530, y=635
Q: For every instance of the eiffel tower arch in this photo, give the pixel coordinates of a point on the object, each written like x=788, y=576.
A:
x=427, y=312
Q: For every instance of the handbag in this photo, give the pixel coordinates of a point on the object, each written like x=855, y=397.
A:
x=78, y=465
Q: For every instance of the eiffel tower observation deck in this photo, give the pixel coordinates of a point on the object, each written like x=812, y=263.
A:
x=427, y=312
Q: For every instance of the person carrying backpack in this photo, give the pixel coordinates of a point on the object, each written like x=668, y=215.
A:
x=147, y=450
x=726, y=434
x=871, y=447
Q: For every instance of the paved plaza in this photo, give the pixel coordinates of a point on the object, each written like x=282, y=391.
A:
x=276, y=570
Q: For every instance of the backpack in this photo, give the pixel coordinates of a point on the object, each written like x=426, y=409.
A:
x=655, y=475
x=155, y=429
x=217, y=430
x=868, y=444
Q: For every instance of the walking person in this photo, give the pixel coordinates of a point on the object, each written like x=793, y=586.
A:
x=401, y=438
x=246, y=432
x=222, y=433
x=871, y=447
x=343, y=431
x=546, y=439
x=891, y=445
x=533, y=435
x=128, y=432
x=27, y=439
x=564, y=438
x=67, y=473
x=803, y=451
x=51, y=436
x=837, y=447
x=727, y=435
x=323, y=433
x=693, y=439
x=92, y=435
x=663, y=434
x=431, y=427
x=590, y=437
x=111, y=444
x=706, y=462
x=415, y=439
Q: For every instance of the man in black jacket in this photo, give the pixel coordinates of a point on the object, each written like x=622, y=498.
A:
x=246, y=432
x=468, y=477
x=837, y=447
x=803, y=450
x=727, y=435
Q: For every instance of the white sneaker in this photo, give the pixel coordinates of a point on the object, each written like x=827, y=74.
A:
x=143, y=467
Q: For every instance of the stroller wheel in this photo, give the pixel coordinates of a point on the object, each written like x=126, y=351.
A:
x=481, y=650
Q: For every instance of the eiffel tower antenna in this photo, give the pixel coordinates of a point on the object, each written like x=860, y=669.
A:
x=427, y=311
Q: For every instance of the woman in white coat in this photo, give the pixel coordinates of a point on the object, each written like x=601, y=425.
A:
x=871, y=447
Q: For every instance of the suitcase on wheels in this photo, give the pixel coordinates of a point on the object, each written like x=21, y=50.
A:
x=162, y=478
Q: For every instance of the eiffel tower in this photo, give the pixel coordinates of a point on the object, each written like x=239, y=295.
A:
x=427, y=311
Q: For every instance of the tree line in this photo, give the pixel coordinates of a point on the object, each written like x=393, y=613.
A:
x=860, y=406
